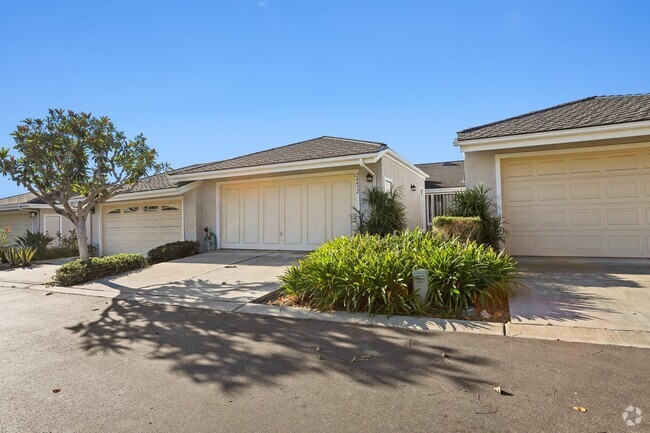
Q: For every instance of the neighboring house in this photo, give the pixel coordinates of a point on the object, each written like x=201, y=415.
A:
x=570, y=180
x=445, y=180
x=26, y=212
x=293, y=197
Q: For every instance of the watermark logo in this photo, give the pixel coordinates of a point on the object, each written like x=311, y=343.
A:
x=632, y=416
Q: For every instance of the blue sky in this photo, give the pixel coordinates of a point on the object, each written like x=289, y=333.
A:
x=216, y=79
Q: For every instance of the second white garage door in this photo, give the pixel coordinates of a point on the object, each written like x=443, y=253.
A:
x=594, y=204
x=296, y=214
x=137, y=227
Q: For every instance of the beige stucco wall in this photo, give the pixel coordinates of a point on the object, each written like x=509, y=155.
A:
x=403, y=178
x=480, y=167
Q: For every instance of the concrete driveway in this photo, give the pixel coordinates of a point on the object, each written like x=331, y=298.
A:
x=37, y=274
x=223, y=279
x=588, y=300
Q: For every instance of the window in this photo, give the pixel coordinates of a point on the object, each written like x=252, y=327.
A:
x=113, y=211
x=151, y=208
x=169, y=208
x=132, y=209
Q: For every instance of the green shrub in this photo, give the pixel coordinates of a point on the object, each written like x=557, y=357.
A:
x=19, y=256
x=81, y=271
x=373, y=274
x=384, y=213
x=173, y=251
x=59, y=253
x=461, y=228
x=36, y=240
x=475, y=202
x=69, y=242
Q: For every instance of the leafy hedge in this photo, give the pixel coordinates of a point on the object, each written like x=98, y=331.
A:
x=374, y=274
x=81, y=271
x=461, y=228
x=173, y=251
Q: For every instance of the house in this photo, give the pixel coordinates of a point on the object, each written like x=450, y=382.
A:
x=293, y=197
x=445, y=180
x=570, y=180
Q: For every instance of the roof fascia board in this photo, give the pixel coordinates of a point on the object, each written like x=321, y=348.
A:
x=274, y=168
x=395, y=157
x=575, y=135
x=169, y=192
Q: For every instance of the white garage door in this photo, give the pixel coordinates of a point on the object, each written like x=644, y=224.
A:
x=593, y=204
x=296, y=214
x=18, y=222
x=138, y=227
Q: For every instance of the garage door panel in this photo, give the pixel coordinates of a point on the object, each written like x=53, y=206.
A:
x=232, y=216
x=297, y=214
x=145, y=226
x=293, y=215
x=600, y=204
x=271, y=215
x=316, y=213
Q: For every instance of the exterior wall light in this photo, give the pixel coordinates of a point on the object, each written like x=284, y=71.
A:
x=32, y=214
x=412, y=187
x=369, y=177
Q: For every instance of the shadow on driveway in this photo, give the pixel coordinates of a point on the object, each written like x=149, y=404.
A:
x=236, y=352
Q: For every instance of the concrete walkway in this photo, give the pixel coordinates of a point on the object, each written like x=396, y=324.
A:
x=37, y=273
x=588, y=300
x=223, y=280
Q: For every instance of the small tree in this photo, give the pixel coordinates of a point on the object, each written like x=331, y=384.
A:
x=385, y=213
x=75, y=162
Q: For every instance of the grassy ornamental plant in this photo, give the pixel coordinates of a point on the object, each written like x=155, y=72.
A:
x=476, y=202
x=373, y=274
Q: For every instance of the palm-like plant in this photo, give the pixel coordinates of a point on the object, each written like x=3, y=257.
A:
x=385, y=212
x=476, y=202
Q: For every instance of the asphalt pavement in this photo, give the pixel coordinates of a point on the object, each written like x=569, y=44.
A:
x=86, y=364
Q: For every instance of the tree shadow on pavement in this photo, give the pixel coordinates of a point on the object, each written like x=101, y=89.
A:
x=236, y=351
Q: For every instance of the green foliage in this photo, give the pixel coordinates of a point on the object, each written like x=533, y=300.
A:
x=4, y=236
x=385, y=212
x=475, y=202
x=173, y=251
x=36, y=240
x=68, y=154
x=461, y=228
x=70, y=242
x=373, y=274
x=83, y=270
x=19, y=256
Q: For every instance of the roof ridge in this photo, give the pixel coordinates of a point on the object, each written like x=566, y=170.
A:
x=530, y=113
x=273, y=148
x=620, y=95
x=438, y=162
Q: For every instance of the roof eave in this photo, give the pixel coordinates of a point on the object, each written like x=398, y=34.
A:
x=274, y=168
x=156, y=193
x=574, y=135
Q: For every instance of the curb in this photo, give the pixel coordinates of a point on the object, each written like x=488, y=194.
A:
x=427, y=324
x=616, y=337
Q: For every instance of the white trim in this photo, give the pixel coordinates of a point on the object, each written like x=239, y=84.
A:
x=159, y=193
x=323, y=163
x=434, y=191
x=182, y=218
x=293, y=176
x=392, y=155
x=423, y=209
x=19, y=207
x=217, y=228
x=575, y=135
x=100, y=238
x=389, y=180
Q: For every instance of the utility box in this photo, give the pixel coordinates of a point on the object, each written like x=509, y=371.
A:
x=421, y=282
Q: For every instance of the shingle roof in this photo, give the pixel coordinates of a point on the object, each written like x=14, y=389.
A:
x=317, y=148
x=25, y=198
x=153, y=183
x=592, y=111
x=449, y=174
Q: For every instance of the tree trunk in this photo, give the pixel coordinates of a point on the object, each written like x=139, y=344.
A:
x=82, y=238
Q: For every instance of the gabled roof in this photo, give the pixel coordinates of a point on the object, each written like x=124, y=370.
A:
x=450, y=174
x=317, y=148
x=154, y=183
x=25, y=198
x=592, y=111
